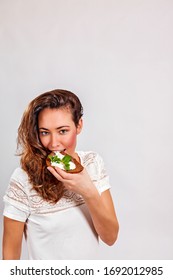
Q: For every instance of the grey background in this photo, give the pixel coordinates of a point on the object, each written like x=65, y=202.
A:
x=117, y=56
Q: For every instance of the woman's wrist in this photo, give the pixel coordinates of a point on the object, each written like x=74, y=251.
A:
x=90, y=193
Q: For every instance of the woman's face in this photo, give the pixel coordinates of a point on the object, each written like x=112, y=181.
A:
x=57, y=130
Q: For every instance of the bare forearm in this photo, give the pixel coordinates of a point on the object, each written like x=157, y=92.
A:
x=104, y=218
x=12, y=239
x=10, y=253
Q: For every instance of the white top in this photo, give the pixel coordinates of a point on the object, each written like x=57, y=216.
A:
x=56, y=231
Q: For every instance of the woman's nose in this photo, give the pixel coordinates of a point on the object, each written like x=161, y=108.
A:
x=54, y=141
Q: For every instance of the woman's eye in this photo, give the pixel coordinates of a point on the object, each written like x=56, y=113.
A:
x=43, y=133
x=63, y=131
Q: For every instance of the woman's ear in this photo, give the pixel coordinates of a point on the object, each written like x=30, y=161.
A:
x=79, y=126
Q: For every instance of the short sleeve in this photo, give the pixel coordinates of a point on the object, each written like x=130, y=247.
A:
x=16, y=202
x=95, y=166
x=102, y=182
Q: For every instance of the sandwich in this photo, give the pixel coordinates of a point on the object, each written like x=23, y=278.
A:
x=63, y=161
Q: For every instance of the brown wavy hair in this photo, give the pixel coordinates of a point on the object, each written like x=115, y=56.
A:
x=33, y=154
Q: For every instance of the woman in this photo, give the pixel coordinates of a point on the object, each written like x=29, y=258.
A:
x=62, y=215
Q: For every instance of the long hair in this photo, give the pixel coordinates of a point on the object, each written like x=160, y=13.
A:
x=33, y=154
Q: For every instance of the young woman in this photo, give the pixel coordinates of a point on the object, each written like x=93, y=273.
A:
x=62, y=215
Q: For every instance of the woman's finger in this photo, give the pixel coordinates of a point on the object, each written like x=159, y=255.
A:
x=63, y=174
x=59, y=173
x=55, y=173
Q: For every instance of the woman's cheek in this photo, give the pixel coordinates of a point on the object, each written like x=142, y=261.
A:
x=44, y=141
x=71, y=142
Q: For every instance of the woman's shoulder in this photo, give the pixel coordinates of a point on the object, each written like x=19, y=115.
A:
x=19, y=175
x=87, y=154
x=89, y=157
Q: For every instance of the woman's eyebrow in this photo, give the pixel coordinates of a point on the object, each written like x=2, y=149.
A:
x=43, y=128
x=63, y=126
x=60, y=127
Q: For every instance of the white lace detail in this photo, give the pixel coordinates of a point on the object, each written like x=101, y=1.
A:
x=40, y=206
x=17, y=196
x=35, y=204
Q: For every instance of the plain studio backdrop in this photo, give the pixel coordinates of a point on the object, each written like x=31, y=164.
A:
x=116, y=55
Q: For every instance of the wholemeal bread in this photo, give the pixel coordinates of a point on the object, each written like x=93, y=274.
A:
x=64, y=161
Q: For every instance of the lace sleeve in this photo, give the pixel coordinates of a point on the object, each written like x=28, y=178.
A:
x=16, y=199
x=102, y=182
x=96, y=169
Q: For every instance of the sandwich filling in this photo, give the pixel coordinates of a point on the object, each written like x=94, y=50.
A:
x=62, y=161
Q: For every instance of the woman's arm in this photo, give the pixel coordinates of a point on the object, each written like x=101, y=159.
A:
x=12, y=239
x=103, y=215
x=101, y=207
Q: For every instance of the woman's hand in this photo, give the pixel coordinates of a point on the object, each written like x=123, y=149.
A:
x=80, y=183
